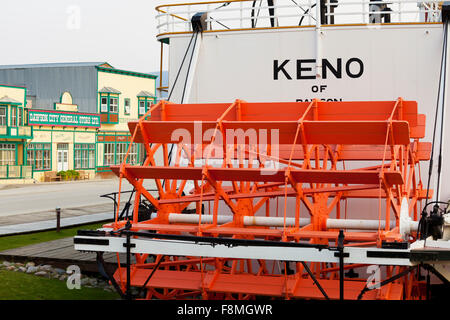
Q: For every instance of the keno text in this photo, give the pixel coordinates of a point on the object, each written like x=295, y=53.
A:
x=304, y=69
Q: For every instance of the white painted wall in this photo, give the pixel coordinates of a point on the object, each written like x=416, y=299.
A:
x=399, y=61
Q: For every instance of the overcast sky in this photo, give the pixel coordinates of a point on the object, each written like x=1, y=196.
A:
x=120, y=32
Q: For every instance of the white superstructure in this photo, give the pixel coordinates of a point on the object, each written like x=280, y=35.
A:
x=258, y=52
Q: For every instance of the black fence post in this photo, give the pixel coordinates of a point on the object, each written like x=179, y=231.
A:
x=58, y=218
x=341, y=263
x=128, y=247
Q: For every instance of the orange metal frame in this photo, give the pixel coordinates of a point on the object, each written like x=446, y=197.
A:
x=321, y=151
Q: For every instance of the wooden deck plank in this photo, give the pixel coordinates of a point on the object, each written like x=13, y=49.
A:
x=40, y=251
x=60, y=250
x=36, y=248
x=64, y=253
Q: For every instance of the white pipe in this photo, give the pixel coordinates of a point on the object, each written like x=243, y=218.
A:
x=273, y=221
x=318, y=41
x=356, y=224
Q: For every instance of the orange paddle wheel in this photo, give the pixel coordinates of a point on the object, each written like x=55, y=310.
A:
x=334, y=179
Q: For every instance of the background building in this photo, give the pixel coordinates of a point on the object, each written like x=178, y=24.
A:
x=64, y=139
x=14, y=133
x=123, y=96
x=78, y=113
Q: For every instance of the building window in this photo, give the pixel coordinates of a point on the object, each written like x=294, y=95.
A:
x=126, y=103
x=13, y=116
x=104, y=104
x=108, y=158
x=113, y=104
x=145, y=104
x=121, y=151
x=7, y=154
x=114, y=153
x=39, y=156
x=3, y=116
x=141, y=108
x=20, y=123
x=109, y=108
x=84, y=155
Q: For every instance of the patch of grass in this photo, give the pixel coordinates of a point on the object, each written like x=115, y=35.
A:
x=11, y=242
x=21, y=286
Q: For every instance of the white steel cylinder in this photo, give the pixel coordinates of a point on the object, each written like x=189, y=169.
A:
x=355, y=224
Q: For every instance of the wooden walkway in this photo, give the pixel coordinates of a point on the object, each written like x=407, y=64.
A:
x=61, y=253
x=12, y=229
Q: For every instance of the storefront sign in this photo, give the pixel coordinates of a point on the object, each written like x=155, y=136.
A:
x=55, y=118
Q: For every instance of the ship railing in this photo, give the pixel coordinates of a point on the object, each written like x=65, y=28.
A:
x=15, y=172
x=250, y=14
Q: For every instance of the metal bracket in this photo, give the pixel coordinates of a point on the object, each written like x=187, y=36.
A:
x=198, y=21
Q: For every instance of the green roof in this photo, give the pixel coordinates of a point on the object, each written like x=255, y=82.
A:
x=144, y=93
x=108, y=90
x=128, y=73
